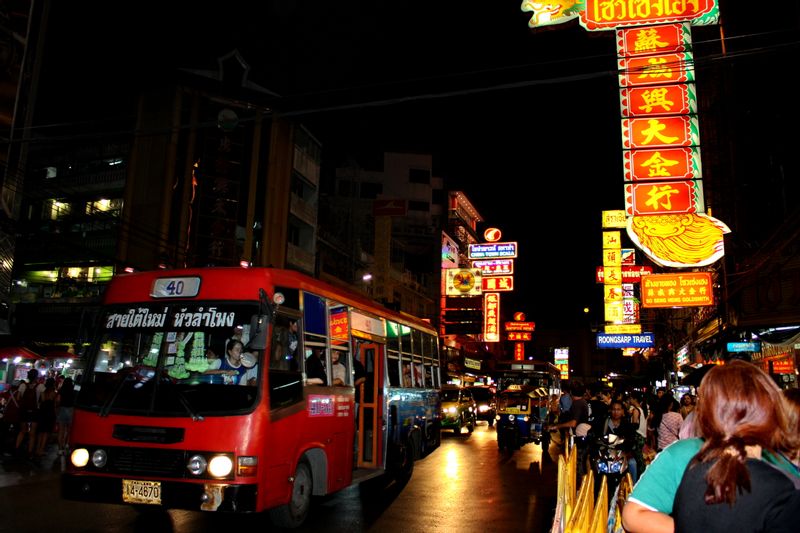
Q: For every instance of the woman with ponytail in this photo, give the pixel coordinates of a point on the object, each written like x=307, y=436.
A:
x=736, y=475
x=727, y=486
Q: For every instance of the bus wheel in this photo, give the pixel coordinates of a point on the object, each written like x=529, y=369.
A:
x=403, y=462
x=294, y=513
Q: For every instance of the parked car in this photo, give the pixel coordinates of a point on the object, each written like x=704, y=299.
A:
x=459, y=409
x=485, y=399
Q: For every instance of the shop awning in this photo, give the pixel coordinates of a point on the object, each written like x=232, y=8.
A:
x=12, y=352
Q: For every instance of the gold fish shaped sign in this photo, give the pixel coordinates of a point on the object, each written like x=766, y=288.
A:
x=679, y=240
x=548, y=12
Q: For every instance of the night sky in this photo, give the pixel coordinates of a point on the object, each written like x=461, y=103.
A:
x=525, y=121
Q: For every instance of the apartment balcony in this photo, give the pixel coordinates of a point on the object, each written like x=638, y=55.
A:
x=104, y=181
x=299, y=259
x=303, y=210
x=64, y=241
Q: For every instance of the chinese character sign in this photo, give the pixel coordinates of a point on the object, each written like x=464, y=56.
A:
x=491, y=314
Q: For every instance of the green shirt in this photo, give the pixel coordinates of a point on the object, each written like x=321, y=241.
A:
x=657, y=486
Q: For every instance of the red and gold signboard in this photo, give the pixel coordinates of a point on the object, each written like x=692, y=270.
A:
x=614, y=219
x=600, y=15
x=628, y=274
x=339, y=327
x=519, y=351
x=662, y=164
x=491, y=317
x=613, y=311
x=493, y=267
x=663, y=198
x=612, y=257
x=654, y=39
x=520, y=326
x=612, y=239
x=520, y=336
x=677, y=99
x=690, y=289
x=497, y=283
x=623, y=328
x=612, y=293
x=680, y=130
x=655, y=70
x=783, y=366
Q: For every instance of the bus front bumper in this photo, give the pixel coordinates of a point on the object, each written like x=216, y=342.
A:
x=219, y=497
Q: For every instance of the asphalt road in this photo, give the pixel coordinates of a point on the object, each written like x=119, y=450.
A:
x=464, y=485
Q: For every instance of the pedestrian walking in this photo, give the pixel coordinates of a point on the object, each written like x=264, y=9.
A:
x=64, y=411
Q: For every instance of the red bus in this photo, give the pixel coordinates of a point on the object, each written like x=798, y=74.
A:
x=213, y=389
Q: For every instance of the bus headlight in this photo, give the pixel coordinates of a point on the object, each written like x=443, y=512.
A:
x=197, y=465
x=220, y=466
x=79, y=457
x=99, y=458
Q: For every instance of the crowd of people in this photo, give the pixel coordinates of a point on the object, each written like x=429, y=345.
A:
x=36, y=413
x=737, y=467
x=723, y=458
x=592, y=413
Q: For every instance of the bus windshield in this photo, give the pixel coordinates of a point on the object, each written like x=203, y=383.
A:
x=513, y=400
x=172, y=360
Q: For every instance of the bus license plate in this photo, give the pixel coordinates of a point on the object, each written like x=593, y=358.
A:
x=137, y=491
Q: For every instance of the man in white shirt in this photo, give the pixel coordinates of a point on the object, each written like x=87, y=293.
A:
x=339, y=370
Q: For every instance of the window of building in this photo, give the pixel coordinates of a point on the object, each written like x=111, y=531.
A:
x=110, y=207
x=370, y=191
x=415, y=205
x=293, y=235
x=419, y=175
x=55, y=209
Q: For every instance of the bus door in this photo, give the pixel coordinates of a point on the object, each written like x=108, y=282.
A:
x=370, y=400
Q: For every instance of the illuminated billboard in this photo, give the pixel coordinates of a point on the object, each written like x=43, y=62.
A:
x=689, y=289
x=493, y=250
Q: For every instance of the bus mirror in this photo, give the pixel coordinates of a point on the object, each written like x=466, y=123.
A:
x=258, y=332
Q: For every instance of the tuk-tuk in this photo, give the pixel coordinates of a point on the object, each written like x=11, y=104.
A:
x=520, y=412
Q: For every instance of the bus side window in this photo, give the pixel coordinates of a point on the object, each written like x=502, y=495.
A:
x=418, y=375
x=407, y=379
x=393, y=367
x=285, y=388
x=285, y=343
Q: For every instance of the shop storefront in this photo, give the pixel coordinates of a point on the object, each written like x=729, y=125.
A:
x=779, y=360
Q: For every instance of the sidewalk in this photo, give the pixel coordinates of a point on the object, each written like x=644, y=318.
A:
x=20, y=471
